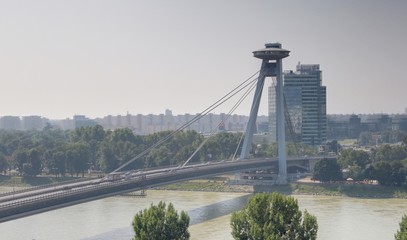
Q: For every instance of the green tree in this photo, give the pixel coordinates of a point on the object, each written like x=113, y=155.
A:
x=222, y=145
x=333, y=146
x=27, y=162
x=327, y=170
x=355, y=162
x=390, y=153
x=117, y=148
x=184, y=144
x=56, y=162
x=261, y=150
x=13, y=140
x=350, y=157
x=20, y=157
x=392, y=136
x=108, y=160
x=93, y=136
x=125, y=150
x=123, y=134
x=402, y=232
x=3, y=163
x=273, y=217
x=356, y=173
x=49, y=137
x=78, y=155
x=160, y=156
x=33, y=166
x=159, y=222
x=388, y=173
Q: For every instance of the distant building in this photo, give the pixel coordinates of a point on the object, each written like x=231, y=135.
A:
x=10, y=123
x=342, y=126
x=119, y=121
x=272, y=114
x=399, y=123
x=33, y=122
x=263, y=127
x=377, y=123
x=109, y=122
x=169, y=120
x=83, y=121
x=128, y=120
x=139, y=124
x=355, y=126
x=337, y=127
x=305, y=99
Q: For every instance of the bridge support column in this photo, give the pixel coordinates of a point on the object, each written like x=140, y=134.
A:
x=282, y=153
x=271, y=66
x=251, y=125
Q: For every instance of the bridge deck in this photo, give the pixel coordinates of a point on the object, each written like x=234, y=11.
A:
x=22, y=204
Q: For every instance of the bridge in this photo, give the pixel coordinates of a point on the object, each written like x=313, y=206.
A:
x=15, y=205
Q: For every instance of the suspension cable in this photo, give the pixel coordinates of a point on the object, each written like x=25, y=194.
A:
x=237, y=104
x=225, y=118
x=226, y=97
x=241, y=137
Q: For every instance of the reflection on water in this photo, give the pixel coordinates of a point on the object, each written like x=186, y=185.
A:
x=216, y=210
x=338, y=217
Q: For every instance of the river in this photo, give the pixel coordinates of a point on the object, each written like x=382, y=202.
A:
x=339, y=218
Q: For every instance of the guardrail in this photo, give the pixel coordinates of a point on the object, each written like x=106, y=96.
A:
x=28, y=189
x=60, y=193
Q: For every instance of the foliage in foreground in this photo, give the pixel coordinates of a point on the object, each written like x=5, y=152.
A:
x=273, y=217
x=159, y=222
x=402, y=232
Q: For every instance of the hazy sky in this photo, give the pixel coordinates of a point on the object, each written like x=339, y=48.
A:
x=60, y=58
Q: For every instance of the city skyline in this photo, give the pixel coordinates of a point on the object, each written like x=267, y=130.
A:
x=99, y=58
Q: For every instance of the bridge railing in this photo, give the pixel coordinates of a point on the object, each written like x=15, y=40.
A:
x=63, y=193
x=28, y=189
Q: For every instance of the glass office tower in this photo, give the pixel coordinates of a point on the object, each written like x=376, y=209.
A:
x=305, y=99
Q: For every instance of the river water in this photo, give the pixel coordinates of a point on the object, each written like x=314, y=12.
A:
x=339, y=218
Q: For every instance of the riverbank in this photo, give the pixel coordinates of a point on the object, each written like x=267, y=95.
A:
x=220, y=184
x=336, y=189
x=294, y=188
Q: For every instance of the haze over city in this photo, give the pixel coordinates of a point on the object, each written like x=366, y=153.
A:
x=61, y=58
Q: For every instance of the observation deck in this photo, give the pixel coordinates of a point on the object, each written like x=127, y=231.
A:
x=273, y=51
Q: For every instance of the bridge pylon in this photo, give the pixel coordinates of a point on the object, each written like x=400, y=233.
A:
x=272, y=66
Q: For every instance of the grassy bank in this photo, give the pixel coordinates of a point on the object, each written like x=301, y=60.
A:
x=331, y=189
x=295, y=188
x=207, y=185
